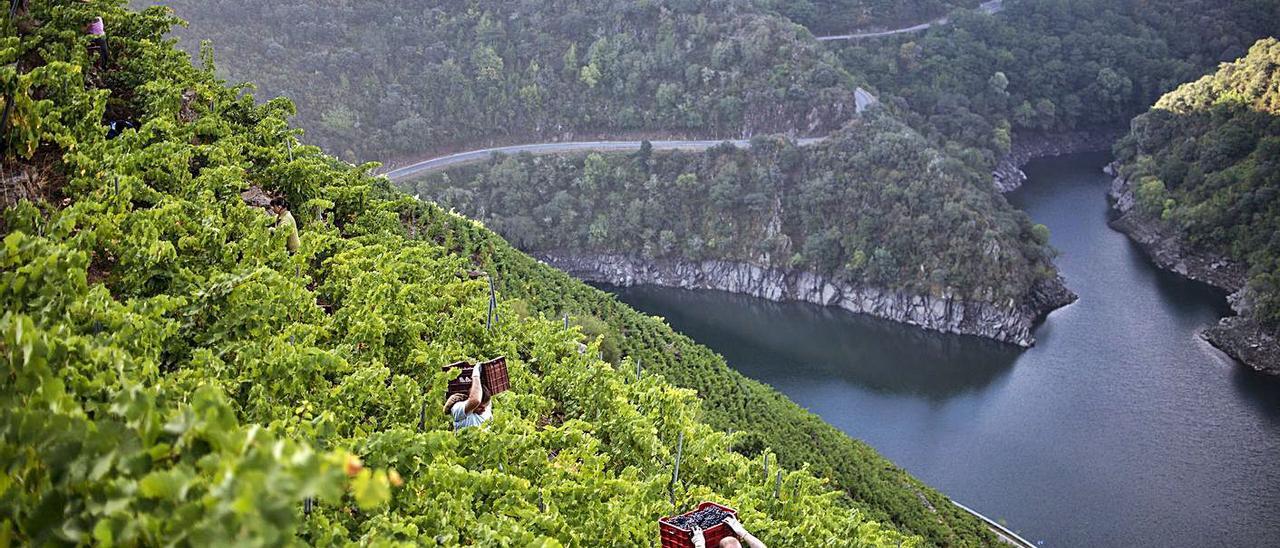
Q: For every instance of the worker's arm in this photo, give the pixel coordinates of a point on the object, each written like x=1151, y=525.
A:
x=698, y=539
x=476, y=396
x=747, y=538
x=453, y=400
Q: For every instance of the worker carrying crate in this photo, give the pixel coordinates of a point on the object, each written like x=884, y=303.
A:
x=710, y=522
x=469, y=397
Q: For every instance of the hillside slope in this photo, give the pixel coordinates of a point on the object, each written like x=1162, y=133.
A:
x=1199, y=182
x=174, y=373
x=383, y=79
x=872, y=220
x=982, y=83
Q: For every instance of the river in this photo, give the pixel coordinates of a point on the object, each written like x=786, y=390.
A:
x=1119, y=428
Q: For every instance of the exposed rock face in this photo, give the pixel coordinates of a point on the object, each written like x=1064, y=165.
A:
x=1008, y=321
x=1248, y=342
x=863, y=100
x=1008, y=174
x=1240, y=337
x=1166, y=248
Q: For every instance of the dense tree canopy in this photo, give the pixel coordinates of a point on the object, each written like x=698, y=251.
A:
x=1051, y=65
x=379, y=79
x=1207, y=162
x=873, y=205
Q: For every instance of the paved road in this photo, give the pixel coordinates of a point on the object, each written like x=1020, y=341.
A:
x=991, y=6
x=473, y=156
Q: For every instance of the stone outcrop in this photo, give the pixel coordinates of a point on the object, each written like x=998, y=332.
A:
x=1248, y=342
x=1008, y=174
x=1009, y=321
x=1240, y=336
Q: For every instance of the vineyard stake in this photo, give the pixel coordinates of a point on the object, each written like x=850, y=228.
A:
x=493, y=307
x=566, y=321
x=637, y=369
x=777, y=487
x=675, y=476
x=413, y=217
x=297, y=273
x=307, y=504
x=4, y=120
x=422, y=416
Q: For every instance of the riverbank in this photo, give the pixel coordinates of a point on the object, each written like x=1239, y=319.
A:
x=1008, y=174
x=1097, y=436
x=1011, y=322
x=1240, y=336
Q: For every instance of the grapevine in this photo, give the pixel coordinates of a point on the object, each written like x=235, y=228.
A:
x=174, y=374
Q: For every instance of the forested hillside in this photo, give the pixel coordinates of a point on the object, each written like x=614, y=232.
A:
x=1204, y=166
x=875, y=205
x=381, y=79
x=1050, y=65
x=179, y=368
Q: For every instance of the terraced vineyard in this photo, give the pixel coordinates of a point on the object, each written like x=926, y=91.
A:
x=174, y=373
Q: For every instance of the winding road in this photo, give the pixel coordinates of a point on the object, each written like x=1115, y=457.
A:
x=991, y=6
x=474, y=156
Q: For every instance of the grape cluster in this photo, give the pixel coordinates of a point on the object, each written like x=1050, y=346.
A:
x=705, y=518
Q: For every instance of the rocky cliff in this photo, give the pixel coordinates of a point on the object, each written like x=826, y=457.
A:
x=1008, y=175
x=1007, y=321
x=1240, y=337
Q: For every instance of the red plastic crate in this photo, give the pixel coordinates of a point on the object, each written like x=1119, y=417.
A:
x=495, y=379
x=677, y=537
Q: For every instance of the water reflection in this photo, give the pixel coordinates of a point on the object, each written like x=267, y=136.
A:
x=1175, y=290
x=827, y=343
x=1262, y=391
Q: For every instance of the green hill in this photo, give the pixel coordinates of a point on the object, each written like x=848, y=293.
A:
x=1050, y=66
x=174, y=374
x=875, y=213
x=377, y=80
x=1202, y=168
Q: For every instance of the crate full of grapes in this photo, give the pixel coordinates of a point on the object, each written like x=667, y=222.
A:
x=677, y=531
x=493, y=373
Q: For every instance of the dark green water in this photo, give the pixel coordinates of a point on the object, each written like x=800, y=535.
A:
x=1120, y=428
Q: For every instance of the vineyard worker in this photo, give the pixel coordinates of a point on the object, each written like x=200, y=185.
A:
x=472, y=409
x=285, y=221
x=98, y=31
x=743, y=537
